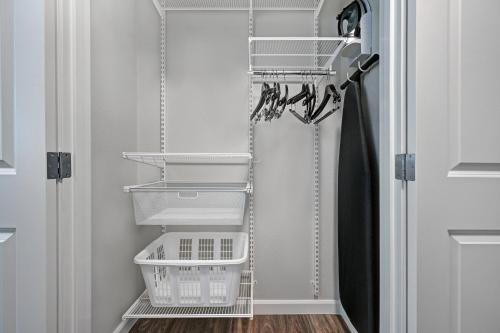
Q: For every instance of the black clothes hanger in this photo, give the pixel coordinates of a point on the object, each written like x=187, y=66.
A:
x=282, y=103
x=326, y=115
x=274, y=101
x=330, y=92
x=263, y=98
x=300, y=96
x=298, y=116
x=310, y=103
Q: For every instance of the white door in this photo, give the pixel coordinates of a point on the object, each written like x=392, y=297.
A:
x=454, y=217
x=24, y=195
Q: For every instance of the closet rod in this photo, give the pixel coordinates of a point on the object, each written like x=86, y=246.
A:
x=373, y=59
x=281, y=73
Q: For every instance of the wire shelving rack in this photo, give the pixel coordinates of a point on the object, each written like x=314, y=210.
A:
x=313, y=55
x=302, y=55
x=243, y=308
x=160, y=159
x=302, y=5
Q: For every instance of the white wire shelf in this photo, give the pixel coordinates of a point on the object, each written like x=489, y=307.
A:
x=165, y=5
x=308, y=54
x=160, y=159
x=243, y=308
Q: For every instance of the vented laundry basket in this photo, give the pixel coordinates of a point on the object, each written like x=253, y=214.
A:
x=190, y=269
x=163, y=203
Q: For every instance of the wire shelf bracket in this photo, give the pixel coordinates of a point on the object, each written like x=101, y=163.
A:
x=243, y=308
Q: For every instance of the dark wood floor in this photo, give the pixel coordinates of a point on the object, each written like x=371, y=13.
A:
x=260, y=324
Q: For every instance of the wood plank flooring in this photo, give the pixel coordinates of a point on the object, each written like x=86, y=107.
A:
x=260, y=324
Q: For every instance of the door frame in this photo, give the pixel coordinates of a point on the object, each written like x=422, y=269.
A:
x=68, y=40
x=393, y=140
x=74, y=84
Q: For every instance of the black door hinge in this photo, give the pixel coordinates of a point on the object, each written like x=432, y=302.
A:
x=405, y=167
x=58, y=165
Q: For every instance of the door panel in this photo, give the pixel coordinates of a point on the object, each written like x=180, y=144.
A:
x=475, y=286
x=454, y=226
x=473, y=82
x=23, y=197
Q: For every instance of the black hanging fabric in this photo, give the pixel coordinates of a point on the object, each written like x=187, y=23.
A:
x=358, y=216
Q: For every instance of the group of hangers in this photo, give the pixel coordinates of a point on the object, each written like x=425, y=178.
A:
x=273, y=101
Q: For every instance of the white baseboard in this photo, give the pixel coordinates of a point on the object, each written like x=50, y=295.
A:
x=305, y=306
x=125, y=326
x=347, y=321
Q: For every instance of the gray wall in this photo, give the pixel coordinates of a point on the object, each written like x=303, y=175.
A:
x=116, y=281
x=206, y=53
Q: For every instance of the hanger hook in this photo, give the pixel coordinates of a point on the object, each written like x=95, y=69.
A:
x=348, y=78
x=361, y=69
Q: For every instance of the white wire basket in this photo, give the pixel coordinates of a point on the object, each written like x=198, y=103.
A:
x=169, y=203
x=194, y=269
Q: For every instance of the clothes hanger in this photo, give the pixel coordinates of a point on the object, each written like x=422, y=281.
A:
x=300, y=96
x=283, y=101
x=310, y=101
x=263, y=97
x=275, y=100
x=298, y=116
x=330, y=92
x=270, y=103
x=328, y=114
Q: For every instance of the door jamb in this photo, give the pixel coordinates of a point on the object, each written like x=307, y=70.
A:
x=72, y=40
x=75, y=61
x=393, y=193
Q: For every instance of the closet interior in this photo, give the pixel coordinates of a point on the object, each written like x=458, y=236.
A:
x=211, y=228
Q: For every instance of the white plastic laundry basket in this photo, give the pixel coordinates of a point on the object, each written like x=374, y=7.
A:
x=164, y=203
x=194, y=268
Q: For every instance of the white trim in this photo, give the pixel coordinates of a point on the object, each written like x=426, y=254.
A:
x=125, y=325
x=74, y=194
x=82, y=176
x=473, y=174
x=6, y=168
x=475, y=170
x=347, y=321
x=306, y=306
x=7, y=172
x=411, y=282
x=393, y=214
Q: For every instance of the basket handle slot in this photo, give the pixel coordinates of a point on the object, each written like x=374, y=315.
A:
x=189, y=195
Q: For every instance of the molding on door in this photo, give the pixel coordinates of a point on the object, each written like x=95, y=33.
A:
x=467, y=137
x=475, y=170
x=7, y=172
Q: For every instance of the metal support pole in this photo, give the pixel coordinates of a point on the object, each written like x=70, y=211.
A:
x=163, y=94
x=316, y=188
x=251, y=216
